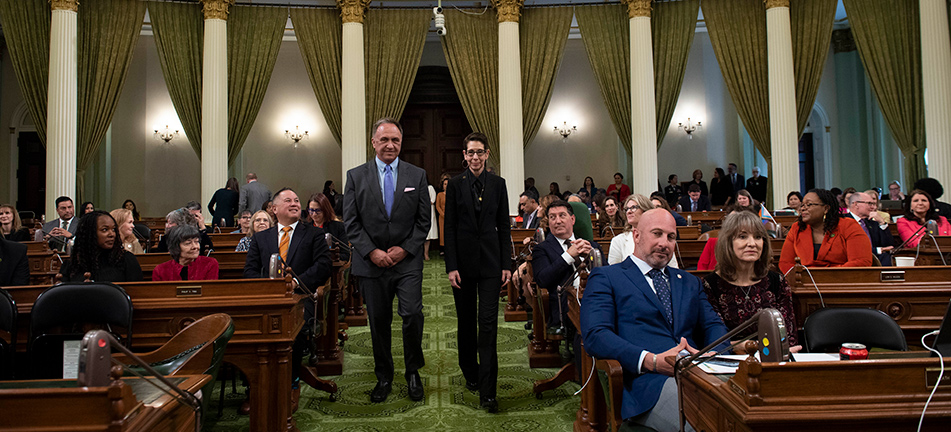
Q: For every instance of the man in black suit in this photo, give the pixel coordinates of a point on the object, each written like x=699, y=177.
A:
x=14, y=265
x=301, y=247
x=860, y=208
x=556, y=258
x=736, y=179
x=528, y=205
x=694, y=202
x=478, y=261
x=387, y=213
x=756, y=186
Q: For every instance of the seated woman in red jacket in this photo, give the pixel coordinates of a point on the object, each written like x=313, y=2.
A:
x=822, y=238
x=919, y=209
x=184, y=244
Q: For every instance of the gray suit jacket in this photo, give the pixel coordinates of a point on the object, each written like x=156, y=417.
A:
x=253, y=196
x=47, y=227
x=369, y=228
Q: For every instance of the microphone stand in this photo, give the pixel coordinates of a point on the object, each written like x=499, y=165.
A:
x=303, y=286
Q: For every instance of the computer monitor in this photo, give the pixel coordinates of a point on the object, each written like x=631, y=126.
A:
x=891, y=204
x=943, y=342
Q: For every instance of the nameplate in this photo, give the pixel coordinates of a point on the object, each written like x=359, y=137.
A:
x=931, y=377
x=893, y=276
x=737, y=389
x=188, y=291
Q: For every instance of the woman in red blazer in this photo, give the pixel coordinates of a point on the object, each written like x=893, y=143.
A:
x=184, y=244
x=821, y=238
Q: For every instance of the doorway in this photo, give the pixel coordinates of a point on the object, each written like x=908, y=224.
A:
x=31, y=174
x=807, y=163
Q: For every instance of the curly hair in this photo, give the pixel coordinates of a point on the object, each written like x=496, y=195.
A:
x=86, y=253
x=832, y=215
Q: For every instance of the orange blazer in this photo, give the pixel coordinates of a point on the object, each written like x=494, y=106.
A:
x=846, y=246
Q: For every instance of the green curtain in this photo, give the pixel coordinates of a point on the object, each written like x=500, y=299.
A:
x=254, y=39
x=320, y=38
x=107, y=32
x=391, y=59
x=179, y=31
x=542, y=36
x=26, y=27
x=673, y=25
x=738, y=33
x=811, y=22
x=606, y=35
x=472, y=52
x=887, y=36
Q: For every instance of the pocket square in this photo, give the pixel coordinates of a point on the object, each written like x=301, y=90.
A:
x=409, y=189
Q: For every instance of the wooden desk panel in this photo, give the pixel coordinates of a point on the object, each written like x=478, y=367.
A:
x=226, y=241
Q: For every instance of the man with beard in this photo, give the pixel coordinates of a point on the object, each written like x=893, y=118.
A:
x=642, y=312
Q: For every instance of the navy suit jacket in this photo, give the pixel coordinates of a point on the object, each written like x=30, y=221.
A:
x=621, y=317
x=548, y=269
x=703, y=203
x=307, y=254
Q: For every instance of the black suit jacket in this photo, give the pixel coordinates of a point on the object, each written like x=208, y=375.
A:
x=757, y=188
x=702, y=204
x=548, y=268
x=478, y=247
x=739, y=184
x=307, y=254
x=14, y=265
x=369, y=227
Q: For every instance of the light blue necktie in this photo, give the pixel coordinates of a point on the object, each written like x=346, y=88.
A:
x=388, y=189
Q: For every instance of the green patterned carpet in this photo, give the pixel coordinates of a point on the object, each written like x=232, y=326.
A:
x=448, y=406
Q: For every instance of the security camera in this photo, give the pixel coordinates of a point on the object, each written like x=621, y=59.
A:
x=440, y=21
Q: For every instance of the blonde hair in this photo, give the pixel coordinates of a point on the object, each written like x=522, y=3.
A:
x=270, y=221
x=16, y=223
x=734, y=224
x=122, y=215
x=643, y=204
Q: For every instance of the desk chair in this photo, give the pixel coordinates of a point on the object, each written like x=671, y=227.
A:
x=611, y=377
x=827, y=329
x=8, y=323
x=63, y=312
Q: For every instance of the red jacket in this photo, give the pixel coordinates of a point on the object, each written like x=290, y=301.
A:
x=846, y=246
x=203, y=268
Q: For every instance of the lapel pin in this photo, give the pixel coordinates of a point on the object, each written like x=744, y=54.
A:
x=678, y=276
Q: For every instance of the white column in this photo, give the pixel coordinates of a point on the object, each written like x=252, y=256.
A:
x=643, y=111
x=784, y=136
x=936, y=84
x=214, y=101
x=62, y=101
x=511, y=147
x=353, y=105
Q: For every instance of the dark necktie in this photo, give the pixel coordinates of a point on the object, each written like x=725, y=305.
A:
x=388, y=189
x=65, y=225
x=865, y=227
x=663, y=293
x=693, y=206
x=477, y=190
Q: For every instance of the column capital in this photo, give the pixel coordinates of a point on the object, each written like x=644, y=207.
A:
x=776, y=3
x=508, y=10
x=353, y=11
x=67, y=5
x=216, y=9
x=638, y=8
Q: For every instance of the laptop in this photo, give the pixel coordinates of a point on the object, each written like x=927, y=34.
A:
x=891, y=204
x=943, y=342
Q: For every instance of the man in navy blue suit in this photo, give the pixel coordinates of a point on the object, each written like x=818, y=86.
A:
x=641, y=312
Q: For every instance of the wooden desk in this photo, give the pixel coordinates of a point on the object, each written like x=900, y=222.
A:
x=917, y=301
x=691, y=232
x=712, y=218
x=129, y=404
x=267, y=317
x=928, y=254
x=230, y=263
x=865, y=395
x=519, y=234
x=225, y=241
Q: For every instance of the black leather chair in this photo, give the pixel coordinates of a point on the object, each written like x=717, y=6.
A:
x=8, y=324
x=66, y=311
x=827, y=329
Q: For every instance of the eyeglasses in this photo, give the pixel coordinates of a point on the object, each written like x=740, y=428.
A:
x=316, y=210
x=810, y=205
x=245, y=217
x=627, y=209
x=866, y=202
x=475, y=152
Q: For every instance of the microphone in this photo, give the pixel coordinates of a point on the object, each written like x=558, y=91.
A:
x=931, y=227
x=274, y=268
x=905, y=243
x=332, y=240
x=606, y=228
x=96, y=356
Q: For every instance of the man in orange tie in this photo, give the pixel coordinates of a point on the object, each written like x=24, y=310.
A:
x=301, y=247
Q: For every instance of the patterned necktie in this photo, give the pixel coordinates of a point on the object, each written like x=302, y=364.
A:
x=65, y=225
x=388, y=189
x=285, y=242
x=865, y=227
x=663, y=293
x=693, y=206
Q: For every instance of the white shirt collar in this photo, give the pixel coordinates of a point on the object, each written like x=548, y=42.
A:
x=643, y=266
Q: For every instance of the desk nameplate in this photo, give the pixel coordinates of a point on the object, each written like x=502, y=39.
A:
x=188, y=291
x=893, y=276
x=931, y=377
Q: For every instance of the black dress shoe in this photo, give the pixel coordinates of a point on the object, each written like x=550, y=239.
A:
x=381, y=391
x=472, y=386
x=415, y=386
x=490, y=404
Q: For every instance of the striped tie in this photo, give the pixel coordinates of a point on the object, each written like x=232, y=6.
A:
x=285, y=242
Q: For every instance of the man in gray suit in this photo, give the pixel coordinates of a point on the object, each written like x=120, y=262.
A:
x=60, y=230
x=386, y=210
x=253, y=195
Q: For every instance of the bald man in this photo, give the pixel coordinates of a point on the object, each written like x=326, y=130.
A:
x=641, y=312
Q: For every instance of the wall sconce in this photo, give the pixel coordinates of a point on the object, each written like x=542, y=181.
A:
x=295, y=136
x=166, y=135
x=564, y=130
x=690, y=128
